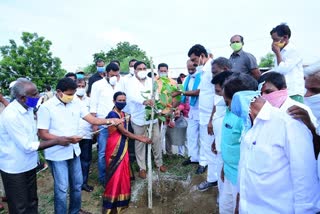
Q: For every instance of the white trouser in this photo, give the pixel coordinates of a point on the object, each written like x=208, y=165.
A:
x=192, y=139
x=228, y=197
x=219, y=168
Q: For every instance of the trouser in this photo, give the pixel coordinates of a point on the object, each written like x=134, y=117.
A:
x=228, y=197
x=85, y=158
x=102, y=144
x=67, y=173
x=193, y=139
x=140, y=148
x=21, y=192
x=219, y=168
x=207, y=157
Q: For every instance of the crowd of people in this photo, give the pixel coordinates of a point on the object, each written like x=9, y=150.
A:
x=257, y=135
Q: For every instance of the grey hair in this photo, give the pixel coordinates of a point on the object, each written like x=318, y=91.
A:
x=19, y=88
x=222, y=62
x=313, y=70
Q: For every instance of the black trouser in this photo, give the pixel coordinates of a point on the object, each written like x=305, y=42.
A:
x=21, y=192
x=85, y=158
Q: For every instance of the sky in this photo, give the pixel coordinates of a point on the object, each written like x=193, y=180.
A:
x=165, y=29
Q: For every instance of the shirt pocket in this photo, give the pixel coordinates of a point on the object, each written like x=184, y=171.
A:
x=260, y=159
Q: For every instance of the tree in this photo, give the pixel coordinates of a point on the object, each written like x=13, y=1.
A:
x=123, y=52
x=267, y=61
x=32, y=60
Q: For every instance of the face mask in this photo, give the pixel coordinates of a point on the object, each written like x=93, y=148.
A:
x=66, y=98
x=80, y=92
x=101, y=69
x=80, y=76
x=276, y=98
x=280, y=44
x=131, y=70
x=236, y=46
x=163, y=74
x=32, y=102
x=120, y=105
x=142, y=74
x=113, y=80
x=314, y=103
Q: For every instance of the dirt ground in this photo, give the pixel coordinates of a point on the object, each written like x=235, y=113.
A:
x=173, y=192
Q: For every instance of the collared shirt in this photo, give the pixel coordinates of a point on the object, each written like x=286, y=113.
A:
x=291, y=68
x=101, y=99
x=206, y=95
x=84, y=127
x=18, y=139
x=61, y=120
x=95, y=77
x=232, y=127
x=243, y=62
x=277, y=168
x=135, y=100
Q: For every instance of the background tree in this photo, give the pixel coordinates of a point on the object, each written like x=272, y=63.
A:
x=32, y=60
x=267, y=61
x=123, y=52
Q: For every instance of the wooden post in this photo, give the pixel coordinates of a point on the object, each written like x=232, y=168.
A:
x=150, y=136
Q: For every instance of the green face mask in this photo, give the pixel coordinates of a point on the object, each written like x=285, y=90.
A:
x=236, y=46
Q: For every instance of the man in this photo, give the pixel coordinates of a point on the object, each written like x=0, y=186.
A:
x=141, y=83
x=19, y=144
x=242, y=61
x=288, y=61
x=71, y=75
x=125, y=80
x=83, y=130
x=199, y=56
x=60, y=116
x=101, y=103
x=277, y=168
x=97, y=76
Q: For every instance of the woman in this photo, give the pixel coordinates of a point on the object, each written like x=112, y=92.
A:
x=117, y=192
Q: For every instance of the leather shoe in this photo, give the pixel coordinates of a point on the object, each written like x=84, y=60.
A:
x=188, y=161
x=201, y=169
x=142, y=174
x=87, y=188
x=163, y=168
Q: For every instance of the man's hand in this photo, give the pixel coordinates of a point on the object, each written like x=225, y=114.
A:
x=210, y=127
x=275, y=48
x=299, y=113
x=63, y=141
x=148, y=103
x=213, y=147
x=75, y=139
x=116, y=121
x=145, y=139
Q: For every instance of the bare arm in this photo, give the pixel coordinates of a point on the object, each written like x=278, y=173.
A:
x=100, y=121
x=3, y=100
x=128, y=134
x=256, y=73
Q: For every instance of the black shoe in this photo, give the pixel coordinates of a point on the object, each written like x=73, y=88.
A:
x=201, y=169
x=87, y=188
x=188, y=161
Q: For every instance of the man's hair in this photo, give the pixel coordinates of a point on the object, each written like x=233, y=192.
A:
x=81, y=80
x=132, y=60
x=197, y=50
x=241, y=38
x=48, y=87
x=222, y=62
x=65, y=84
x=118, y=93
x=112, y=66
x=163, y=65
x=19, y=88
x=239, y=82
x=220, y=78
x=70, y=74
x=98, y=61
x=313, y=70
x=116, y=61
x=281, y=30
x=277, y=79
x=137, y=64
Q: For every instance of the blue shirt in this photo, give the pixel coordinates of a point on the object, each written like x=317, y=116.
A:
x=230, y=145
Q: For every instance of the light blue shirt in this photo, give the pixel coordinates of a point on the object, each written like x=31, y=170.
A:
x=18, y=139
x=230, y=145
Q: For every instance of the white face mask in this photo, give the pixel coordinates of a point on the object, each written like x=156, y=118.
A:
x=142, y=74
x=131, y=70
x=113, y=80
x=80, y=92
x=163, y=74
x=314, y=103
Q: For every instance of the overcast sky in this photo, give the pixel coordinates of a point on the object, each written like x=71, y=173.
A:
x=165, y=29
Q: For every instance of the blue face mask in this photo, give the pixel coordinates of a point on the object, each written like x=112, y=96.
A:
x=100, y=69
x=80, y=76
x=120, y=105
x=32, y=102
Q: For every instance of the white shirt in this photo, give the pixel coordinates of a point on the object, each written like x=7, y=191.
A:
x=61, y=120
x=84, y=127
x=101, y=98
x=206, y=95
x=123, y=86
x=217, y=120
x=135, y=100
x=277, y=168
x=18, y=139
x=291, y=68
